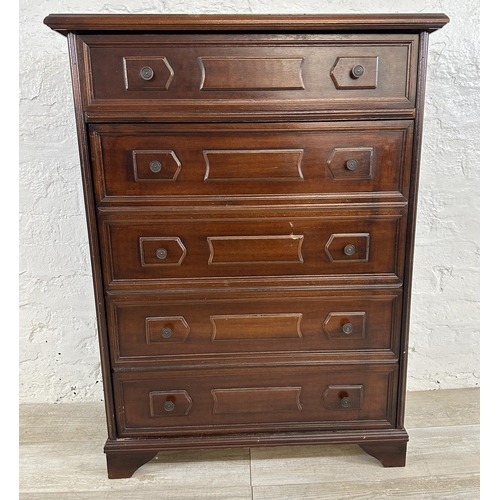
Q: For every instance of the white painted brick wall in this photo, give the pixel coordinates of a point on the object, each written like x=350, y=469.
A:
x=59, y=357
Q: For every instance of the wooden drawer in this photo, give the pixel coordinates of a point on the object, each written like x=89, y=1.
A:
x=167, y=249
x=264, y=161
x=255, y=399
x=153, y=330
x=229, y=75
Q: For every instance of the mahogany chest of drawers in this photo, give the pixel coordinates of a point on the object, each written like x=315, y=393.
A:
x=250, y=186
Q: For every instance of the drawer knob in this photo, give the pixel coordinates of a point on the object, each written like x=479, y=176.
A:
x=349, y=249
x=347, y=328
x=352, y=164
x=147, y=73
x=166, y=333
x=169, y=406
x=161, y=253
x=155, y=166
x=358, y=71
x=345, y=402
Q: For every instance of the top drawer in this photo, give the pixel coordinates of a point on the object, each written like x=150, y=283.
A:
x=176, y=77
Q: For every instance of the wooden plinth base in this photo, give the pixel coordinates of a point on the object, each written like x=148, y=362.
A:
x=124, y=457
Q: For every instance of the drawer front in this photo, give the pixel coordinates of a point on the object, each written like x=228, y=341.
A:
x=152, y=330
x=165, y=250
x=257, y=399
x=231, y=74
x=264, y=161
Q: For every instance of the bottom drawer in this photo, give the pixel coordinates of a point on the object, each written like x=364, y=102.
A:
x=255, y=399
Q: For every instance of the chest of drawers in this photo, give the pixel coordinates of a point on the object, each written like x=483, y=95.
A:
x=250, y=186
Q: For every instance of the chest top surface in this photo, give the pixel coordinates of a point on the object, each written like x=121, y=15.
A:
x=66, y=23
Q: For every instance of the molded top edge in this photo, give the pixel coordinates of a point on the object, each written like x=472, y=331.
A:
x=72, y=23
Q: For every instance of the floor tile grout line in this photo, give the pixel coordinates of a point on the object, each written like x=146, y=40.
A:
x=250, y=465
x=313, y=483
x=442, y=426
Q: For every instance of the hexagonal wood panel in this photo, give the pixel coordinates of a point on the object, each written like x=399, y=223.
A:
x=177, y=325
x=171, y=246
x=344, y=79
x=173, y=403
x=155, y=165
x=162, y=76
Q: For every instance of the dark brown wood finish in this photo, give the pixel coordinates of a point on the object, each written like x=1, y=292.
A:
x=90, y=210
x=306, y=159
x=255, y=399
x=389, y=454
x=182, y=87
x=207, y=248
x=223, y=330
x=412, y=209
x=65, y=23
x=123, y=465
x=252, y=268
x=200, y=72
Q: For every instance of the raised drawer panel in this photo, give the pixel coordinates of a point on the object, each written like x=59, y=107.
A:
x=152, y=330
x=163, y=250
x=217, y=161
x=232, y=74
x=257, y=399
